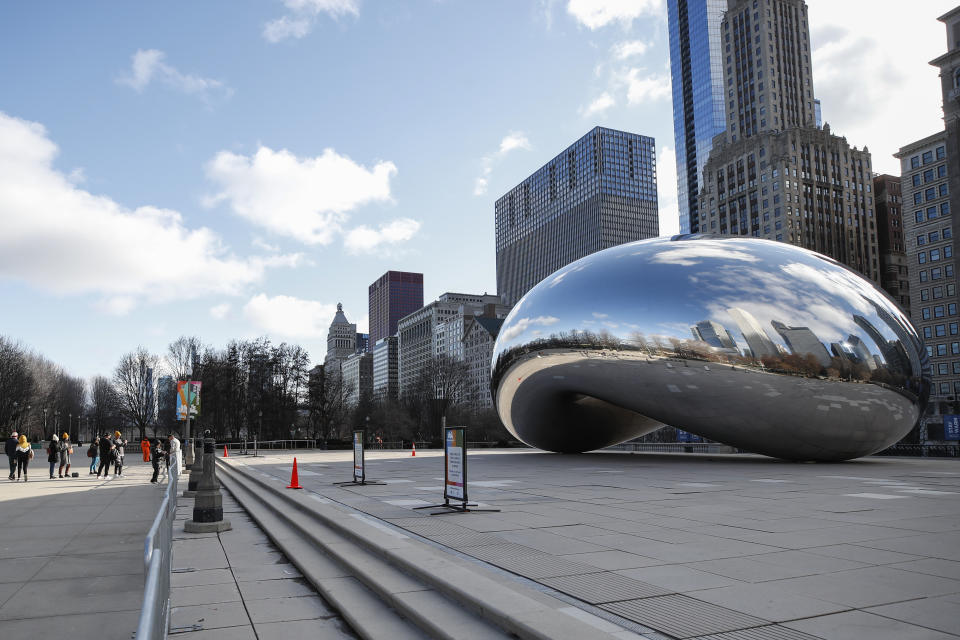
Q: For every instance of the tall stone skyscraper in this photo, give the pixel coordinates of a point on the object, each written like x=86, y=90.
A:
x=696, y=70
x=773, y=173
x=341, y=339
x=930, y=184
x=598, y=193
x=392, y=296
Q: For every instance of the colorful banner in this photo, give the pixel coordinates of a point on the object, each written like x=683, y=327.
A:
x=454, y=450
x=188, y=395
x=358, y=472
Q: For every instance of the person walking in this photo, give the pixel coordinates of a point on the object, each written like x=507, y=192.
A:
x=174, y=451
x=156, y=451
x=24, y=456
x=106, y=456
x=93, y=452
x=118, y=444
x=53, y=453
x=10, y=448
x=66, y=450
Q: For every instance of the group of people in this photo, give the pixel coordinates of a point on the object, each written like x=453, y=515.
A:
x=103, y=452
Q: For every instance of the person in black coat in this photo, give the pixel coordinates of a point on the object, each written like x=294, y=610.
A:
x=106, y=457
x=156, y=452
x=10, y=448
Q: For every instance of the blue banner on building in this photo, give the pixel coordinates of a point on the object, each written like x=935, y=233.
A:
x=951, y=427
x=686, y=436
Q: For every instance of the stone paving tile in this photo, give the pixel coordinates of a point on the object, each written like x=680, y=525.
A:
x=263, y=589
x=74, y=595
x=936, y=613
x=611, y=560
x=198, y=578
x=929, y=566
x=860, y=625
x=228, y=633
x=543, y=566
x=678, y=578
x=283, y=571
x=767, y=601
x=870, y=587
x=204, y=594
x=771, y=632
x=209, y=616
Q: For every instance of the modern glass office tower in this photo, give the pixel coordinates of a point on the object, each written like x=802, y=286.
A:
x=392, y=296
x=696, y=69
x=598, y=193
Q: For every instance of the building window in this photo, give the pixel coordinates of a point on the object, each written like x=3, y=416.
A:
x=922, y=257
x=941, y=153
x=914, y=162
x=927, y=157
x=941, y=330
x=921, y=240
x=927, y=333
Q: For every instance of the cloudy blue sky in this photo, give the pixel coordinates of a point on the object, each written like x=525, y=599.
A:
x=235, y=168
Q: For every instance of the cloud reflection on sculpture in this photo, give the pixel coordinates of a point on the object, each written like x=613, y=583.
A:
x=758, y=344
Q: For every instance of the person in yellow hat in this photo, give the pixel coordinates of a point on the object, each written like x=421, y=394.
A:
x=66, y=450
x=24, y=456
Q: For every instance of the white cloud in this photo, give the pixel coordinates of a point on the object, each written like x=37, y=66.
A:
x=260, y=243
x=667, y=192
x=303, y=198
x=855, y=72
x=66, y=240
x=600, y=104
x=628, y=49
x=363, y=239
x=595, y=14
x=303, y=15
x=646, y=87
x=513, y=140
x=147, y=65
x=288, y=316
x=220, y=311
x=522, y=324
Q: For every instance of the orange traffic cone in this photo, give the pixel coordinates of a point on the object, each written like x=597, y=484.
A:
x=294, y=480
x=414, y=454
x=225, y=453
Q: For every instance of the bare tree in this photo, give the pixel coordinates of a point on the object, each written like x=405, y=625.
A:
x=181, y=354
x=104, y=405
x=131, y=382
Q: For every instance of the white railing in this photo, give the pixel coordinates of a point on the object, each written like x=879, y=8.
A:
x=157, y=549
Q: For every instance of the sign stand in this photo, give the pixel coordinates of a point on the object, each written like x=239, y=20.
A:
x=455, y=475
x=359, y=462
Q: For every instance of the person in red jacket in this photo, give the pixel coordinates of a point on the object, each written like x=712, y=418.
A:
x=145, y=448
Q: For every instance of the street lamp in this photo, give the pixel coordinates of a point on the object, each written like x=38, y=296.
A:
x=14, y=415
x=259, y=431
x=44, y=420
x=56, y=420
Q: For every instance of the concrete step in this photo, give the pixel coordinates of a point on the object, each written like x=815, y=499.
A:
x=363, y=610
x=445, y=595
x=374, y=597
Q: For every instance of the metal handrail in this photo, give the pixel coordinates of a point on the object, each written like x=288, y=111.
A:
x=157, y=551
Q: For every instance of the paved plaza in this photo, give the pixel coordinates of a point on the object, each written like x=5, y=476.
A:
x=71, y=553
x=728, y=547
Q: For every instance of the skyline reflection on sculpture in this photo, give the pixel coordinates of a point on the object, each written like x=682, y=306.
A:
x=752, y=304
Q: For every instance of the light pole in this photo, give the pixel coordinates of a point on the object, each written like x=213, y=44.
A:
x=259, y=431
x=70, y=425
x=44, y=420
x=56, y=421
x=15, y=415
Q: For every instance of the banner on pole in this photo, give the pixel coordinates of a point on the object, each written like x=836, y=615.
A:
x=951, y=426
x=188, y=399
x=358, y=472
x=455, y=454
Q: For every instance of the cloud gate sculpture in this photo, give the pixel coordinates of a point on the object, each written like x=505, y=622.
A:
x=757, y=344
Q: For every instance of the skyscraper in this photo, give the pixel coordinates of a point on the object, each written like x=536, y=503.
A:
x=598, y=193
x=696, y=70
x=758, y=341
x=930, y=183
x=774, y=174
x=392, y=296
x=893, y=259
x=341, y=339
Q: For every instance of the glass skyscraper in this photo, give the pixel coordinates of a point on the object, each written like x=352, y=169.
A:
x=598, y=193
x=696, y=69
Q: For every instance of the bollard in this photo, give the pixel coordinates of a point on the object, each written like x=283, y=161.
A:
x=208, y=503
x=196, y=472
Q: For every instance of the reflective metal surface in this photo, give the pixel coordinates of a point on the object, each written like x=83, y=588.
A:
x=754, y=343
